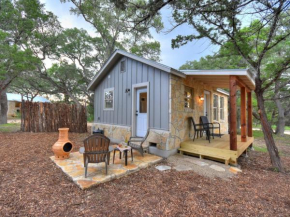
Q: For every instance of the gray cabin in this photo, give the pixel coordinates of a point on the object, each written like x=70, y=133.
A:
x=134, y=94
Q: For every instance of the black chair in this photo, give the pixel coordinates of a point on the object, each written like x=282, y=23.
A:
x=210, y=126
x=96, y=150
x=139, y=144
x=198, y=128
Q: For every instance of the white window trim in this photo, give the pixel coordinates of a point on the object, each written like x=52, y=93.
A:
x=105, y=90
x=223, y=109
x=217, y=108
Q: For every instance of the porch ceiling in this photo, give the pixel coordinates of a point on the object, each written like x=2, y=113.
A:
x=221, y=78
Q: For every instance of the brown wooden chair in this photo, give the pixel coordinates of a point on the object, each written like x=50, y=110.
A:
x=138, y=143
x=96, y=150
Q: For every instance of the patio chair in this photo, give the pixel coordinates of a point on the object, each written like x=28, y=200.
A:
x=210, y=126
x=198, y=128
x=139, y=144
x=96, y=150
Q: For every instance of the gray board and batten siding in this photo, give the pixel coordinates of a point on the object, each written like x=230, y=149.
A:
x=136, y=72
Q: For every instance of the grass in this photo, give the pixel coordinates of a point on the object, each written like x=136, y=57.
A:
x=273, y=126
x=260, y=149
x=8, y=128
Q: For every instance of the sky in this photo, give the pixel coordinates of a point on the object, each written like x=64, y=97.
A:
x=170, y=57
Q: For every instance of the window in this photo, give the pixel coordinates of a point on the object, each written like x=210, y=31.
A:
x=188, y=97
x=222, y=102
x=109, y=99
x=215, y=107
x=143, y=103
x=123, y=66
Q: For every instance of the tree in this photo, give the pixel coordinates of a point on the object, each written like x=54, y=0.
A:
x=24, y=27
x=221, y=23
x=114, y=31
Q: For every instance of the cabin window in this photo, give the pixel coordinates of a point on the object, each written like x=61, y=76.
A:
x=123, y=66
x=215, y=107
x=188, y=97
x=222, y=110
x=109, y=99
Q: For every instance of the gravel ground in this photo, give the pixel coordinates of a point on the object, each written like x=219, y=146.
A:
x=31, y=185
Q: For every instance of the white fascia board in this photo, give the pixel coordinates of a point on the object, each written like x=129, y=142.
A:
x=216, y=72
x=223, y=91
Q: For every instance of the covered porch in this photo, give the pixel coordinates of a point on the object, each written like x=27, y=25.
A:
x=230, y=146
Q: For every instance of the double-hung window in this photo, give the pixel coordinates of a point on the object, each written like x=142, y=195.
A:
x=109, y=99
x=222, y=110
x=188, y=97
x=215, y=107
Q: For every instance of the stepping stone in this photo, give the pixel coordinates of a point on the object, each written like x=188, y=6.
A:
x=163, y=168
x=200, y=163
x=182, y=168
x=217, y=168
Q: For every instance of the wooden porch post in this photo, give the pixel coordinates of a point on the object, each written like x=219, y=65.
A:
x=243, y=115
x=250, y=120
x=233, y=113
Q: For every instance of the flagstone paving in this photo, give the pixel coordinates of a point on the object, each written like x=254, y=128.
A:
x=74, y=168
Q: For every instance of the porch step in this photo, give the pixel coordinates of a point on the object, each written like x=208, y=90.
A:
x=207, y=153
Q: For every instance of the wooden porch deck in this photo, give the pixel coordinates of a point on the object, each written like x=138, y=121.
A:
x=218, y=148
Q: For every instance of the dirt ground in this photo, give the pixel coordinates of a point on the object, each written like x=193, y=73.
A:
x=31, y=185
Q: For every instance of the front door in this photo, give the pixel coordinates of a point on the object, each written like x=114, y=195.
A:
x=206, y=104
x=141, y=112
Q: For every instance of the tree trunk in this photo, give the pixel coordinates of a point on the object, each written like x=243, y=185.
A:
x=3, y=107
x=66, y=98
x=267, y=130
x=281, y=112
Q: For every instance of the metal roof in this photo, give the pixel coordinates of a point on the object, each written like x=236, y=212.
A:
x=17, y=98
x=220, y=77
x=206, y=76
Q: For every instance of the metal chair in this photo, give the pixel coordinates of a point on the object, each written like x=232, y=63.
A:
x=96, y=150
x=198, y=128
x=138, y=143
x=210, y=126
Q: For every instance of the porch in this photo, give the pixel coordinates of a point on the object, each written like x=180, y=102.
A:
x=217, y=149
x=229, y=147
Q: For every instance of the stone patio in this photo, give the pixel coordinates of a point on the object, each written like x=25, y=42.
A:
x=74, y=168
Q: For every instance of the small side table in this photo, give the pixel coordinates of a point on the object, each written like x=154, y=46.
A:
x=123, y=149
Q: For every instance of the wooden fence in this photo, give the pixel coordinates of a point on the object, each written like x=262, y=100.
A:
x=48, y=117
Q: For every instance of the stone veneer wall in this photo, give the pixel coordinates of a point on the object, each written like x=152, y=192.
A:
x=159, y=137
x=180, y=127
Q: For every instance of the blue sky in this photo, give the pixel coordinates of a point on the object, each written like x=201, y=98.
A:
x=171, y=57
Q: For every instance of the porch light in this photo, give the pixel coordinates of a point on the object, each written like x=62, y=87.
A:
x=201, y=98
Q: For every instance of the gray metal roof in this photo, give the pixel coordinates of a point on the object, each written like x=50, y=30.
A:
x=117, y=55
x=17, y=98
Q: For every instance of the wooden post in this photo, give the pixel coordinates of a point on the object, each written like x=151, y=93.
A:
x=233, y=113
x=243, y=115
x=250, y=120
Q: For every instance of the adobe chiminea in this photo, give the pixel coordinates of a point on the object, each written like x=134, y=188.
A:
x=63, y=146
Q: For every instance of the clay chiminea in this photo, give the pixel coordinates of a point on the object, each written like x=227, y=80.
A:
x=63, y=146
